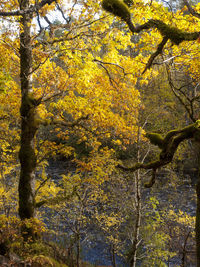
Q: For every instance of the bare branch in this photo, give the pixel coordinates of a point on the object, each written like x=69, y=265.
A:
x=31, y=10
x=112, y=81
x=42, y=63
x=62, y=13
x=47, y=20
x=177, y=92
x=113, y=64
x=11, y=13
x=42, y=184
x=39, y=23
x=154, y=55
x=46, y=99
x=75, y=123
x=191, y=10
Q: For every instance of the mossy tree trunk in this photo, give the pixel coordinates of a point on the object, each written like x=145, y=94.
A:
x=28, y=126
x=197, y=225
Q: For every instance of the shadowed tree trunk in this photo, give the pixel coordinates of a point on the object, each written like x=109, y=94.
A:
x=28, y=125
x=197, y=225
x=112, y=253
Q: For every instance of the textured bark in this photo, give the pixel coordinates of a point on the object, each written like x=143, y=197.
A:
x=138, y=207
x=197, y=224
x=28, y=126
x=133, y=260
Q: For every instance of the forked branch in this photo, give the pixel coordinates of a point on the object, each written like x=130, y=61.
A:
x=177, y=36
x=168, y=146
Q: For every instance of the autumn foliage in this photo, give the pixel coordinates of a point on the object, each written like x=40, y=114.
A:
x=86, y=83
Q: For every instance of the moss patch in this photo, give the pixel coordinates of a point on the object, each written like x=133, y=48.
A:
x=117, y=8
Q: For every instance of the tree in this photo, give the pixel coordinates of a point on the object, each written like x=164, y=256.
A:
x=60, y=85
x=172, y=139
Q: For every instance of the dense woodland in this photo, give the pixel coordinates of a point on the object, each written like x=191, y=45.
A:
x=99, y=133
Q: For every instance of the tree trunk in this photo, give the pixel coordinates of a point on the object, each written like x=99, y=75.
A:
x=28, y=125
x=197, y=223
x=77, y=246
x=138, y=206
x=113, y=258
x=197, y=226
x=137, y=219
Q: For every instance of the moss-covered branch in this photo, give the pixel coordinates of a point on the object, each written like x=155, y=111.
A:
x=175, y=35
x=168, y=146
x=120, y=9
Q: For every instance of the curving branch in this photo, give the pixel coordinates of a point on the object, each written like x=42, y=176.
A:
x=168, y=146
x=186, y=101
x=175, y=35
x=64, y=122
x=155, y=54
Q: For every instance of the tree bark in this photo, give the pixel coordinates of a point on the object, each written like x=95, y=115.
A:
x=137, y=219
x=197, y=224
x=113, y=258
x=138, y=206
x=27, y=155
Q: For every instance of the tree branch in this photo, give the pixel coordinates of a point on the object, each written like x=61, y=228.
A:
x=32, y=9
x=154, y=55
x=168, y=145
x=12, y=13
x=175, y=35
x=42, y=184
x=64, y=121
x=191, y=10
x=55, y=200
x=177, y=91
